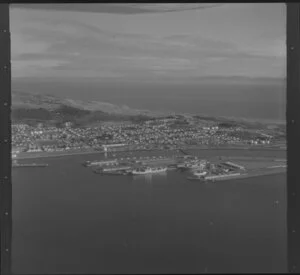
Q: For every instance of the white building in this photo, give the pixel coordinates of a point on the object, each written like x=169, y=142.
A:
x=106, y=147
x=14, y=152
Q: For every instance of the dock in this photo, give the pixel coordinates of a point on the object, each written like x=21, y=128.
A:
x=29, y=165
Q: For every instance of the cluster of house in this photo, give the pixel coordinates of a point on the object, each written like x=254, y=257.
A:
x=161, y=133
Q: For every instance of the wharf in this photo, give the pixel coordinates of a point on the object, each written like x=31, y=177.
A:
x=250, y=174
x=27, y=165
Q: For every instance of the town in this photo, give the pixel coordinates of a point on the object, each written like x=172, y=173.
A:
x=154, y=134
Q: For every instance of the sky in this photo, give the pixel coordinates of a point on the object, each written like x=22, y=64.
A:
x=131, y=41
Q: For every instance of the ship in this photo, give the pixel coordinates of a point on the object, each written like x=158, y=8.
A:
x=100, y=163
x=120, y=170
x=148, y=170
x=199, y=173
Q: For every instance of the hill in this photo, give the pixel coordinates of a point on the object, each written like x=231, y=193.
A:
x=34, y=108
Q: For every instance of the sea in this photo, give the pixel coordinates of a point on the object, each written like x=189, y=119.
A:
x=250, y=99
x=67, y=219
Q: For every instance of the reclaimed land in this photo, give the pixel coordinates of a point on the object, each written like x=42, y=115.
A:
x=253, y=174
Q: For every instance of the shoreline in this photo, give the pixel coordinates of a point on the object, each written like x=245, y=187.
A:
x=25, y=155
x=54, y=155
x=252, y=172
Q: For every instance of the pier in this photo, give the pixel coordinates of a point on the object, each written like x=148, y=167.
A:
x=16, y=164
x=216, y=167
x=27, y=165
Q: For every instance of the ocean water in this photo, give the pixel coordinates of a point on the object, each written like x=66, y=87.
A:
x=254, y=100
x=67, y=219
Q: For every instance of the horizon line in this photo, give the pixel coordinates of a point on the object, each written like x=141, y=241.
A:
x=151, y=79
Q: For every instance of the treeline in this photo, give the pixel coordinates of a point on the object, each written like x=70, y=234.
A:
x=63, y=114
x=208, y=118
x=40, y=114
x=227, y=125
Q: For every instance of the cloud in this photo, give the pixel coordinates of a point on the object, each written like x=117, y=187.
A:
x=22, y=44
x=127, y=8
x=21, y=68
x=160, y=63
x=63, y=45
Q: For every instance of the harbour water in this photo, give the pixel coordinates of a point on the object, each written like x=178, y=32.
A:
x=67, y=219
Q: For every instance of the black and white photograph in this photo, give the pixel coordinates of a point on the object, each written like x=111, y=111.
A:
x=148, y=138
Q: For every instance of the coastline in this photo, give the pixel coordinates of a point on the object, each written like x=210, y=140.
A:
x=53, y=154
x=35, y=155
x=251, y=173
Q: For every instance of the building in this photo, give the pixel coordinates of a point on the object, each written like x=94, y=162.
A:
x=68, y=124
x=15, y=152
x=106, y=147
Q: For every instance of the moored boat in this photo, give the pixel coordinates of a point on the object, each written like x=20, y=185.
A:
x=199, y=173
x=148, y=170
